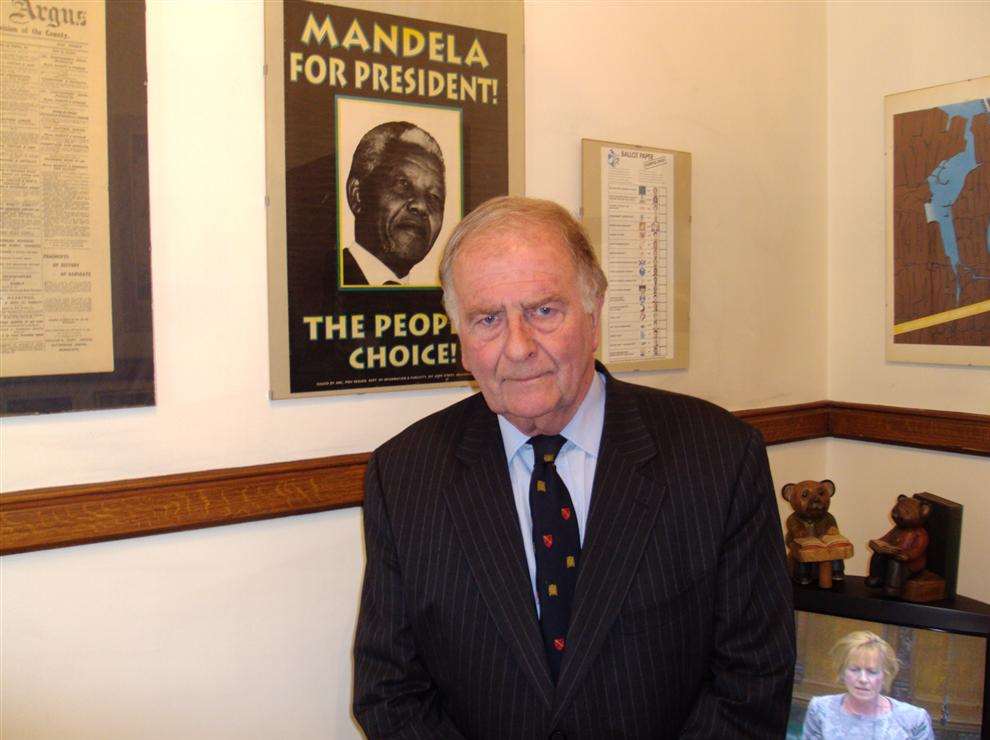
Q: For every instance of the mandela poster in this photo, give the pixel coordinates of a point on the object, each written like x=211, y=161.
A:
x=938, y=232
x=383, y=131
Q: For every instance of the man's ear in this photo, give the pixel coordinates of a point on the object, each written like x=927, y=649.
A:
x=596, y=322
x=354, y=195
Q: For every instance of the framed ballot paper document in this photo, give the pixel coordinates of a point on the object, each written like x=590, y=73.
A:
x=636, y=206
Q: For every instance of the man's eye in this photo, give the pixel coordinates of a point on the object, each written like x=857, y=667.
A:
x=544, y=311
x=488, y=319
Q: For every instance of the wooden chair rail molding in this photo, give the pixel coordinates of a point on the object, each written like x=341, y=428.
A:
x=74, y=515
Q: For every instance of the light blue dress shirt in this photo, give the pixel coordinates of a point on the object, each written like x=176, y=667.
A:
x=575, y=462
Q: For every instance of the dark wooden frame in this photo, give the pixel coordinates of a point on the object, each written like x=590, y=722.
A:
x=72, y=515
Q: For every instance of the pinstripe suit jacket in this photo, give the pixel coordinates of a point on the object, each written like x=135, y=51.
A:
x=682, y=624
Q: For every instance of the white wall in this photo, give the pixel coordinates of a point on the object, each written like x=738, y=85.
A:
x=875, y=50
x=231, y=632
x=740, y=87
x=245, y=630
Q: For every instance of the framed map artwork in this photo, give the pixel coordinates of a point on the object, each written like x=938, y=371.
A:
x=938, y=224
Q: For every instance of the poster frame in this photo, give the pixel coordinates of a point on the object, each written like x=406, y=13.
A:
x=504, y=17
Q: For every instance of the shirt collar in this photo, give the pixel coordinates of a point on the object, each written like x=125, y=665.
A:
x=375, y=271
x=584, y=430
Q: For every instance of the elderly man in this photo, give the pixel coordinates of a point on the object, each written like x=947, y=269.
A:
x=395, y=189
x=566, y=554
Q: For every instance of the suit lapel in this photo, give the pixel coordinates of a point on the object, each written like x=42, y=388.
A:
x=484, y=514
x=624, y=503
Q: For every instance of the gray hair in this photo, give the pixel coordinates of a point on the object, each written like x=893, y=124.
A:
x=513, y=212
x=376, y=142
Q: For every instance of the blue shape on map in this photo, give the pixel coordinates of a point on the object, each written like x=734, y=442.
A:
x=946, y=182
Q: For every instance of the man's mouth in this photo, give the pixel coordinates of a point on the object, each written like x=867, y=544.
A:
x=417, y=226
x=527, y=379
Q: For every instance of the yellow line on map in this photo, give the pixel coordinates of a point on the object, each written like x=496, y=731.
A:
x=940, y=318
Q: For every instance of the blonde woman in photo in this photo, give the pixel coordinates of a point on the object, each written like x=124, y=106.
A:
x=867, y=666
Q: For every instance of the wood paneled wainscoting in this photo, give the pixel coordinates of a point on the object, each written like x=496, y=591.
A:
x=74, y=515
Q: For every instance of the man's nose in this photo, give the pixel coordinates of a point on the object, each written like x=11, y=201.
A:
x=519, y=344
x=417, y=204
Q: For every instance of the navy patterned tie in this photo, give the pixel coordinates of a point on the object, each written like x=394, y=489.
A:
x=557, y=545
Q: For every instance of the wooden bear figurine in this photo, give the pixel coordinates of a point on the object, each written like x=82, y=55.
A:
x=813, y=539
x=900, y=554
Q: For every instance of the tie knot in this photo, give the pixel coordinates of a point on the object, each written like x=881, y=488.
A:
x=546, y=447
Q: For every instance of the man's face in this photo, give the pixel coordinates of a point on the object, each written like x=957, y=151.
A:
x=401, y=208
x=525, y=334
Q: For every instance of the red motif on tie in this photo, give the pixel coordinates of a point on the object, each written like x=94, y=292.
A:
x=566, y=513
x=558, y=644
x=548, y=540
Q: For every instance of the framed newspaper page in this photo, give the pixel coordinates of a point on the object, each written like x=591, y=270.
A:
x=636, y=207
x=386, y=123
x=75, y=265
x=938, y=224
